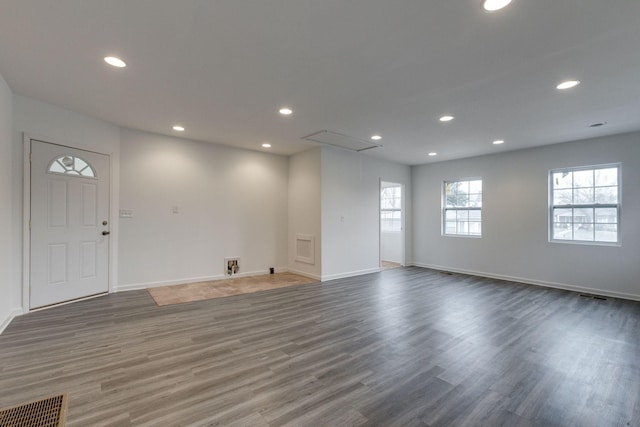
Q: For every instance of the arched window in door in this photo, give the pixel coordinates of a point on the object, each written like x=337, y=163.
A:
x=71, y=165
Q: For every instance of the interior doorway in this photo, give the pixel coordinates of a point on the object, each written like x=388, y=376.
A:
x=391, y=225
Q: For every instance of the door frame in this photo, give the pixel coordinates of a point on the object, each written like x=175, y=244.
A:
x=26, y=217
x=403, y=231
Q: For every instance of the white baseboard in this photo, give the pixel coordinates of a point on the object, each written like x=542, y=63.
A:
x=350, y=274
x=10, y=316
x=534, y=282
x=301, y=273
x=146, y=285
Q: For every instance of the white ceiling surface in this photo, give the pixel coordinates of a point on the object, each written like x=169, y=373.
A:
x=223, y=68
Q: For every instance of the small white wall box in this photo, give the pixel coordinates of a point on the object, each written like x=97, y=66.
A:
x=231, y=266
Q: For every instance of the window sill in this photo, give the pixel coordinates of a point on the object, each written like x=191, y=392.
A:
x=585, y=243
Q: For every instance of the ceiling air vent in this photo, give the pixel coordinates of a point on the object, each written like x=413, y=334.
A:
x=336, y=139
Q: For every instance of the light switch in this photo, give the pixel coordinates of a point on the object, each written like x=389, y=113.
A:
x=175, y=210
x=126, y=213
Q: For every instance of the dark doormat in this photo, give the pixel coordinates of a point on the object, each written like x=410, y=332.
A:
x=47, y=412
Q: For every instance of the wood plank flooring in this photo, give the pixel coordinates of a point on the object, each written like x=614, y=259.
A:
x=404, y=347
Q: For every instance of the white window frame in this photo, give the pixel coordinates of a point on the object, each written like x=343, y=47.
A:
x=446, y=209
x=392, y=211
x=617, y=206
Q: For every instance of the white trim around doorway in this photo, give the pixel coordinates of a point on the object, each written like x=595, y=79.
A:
x=26, y=212
x=403, y=224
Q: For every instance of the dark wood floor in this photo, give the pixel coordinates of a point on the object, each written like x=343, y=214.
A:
x=404, y=347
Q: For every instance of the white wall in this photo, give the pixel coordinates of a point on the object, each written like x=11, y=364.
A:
x=514, y=242
x=55, y=124
x=231, y=202
x=351, y=211
x=10, y=300
x=391, y=246
x=304, y=208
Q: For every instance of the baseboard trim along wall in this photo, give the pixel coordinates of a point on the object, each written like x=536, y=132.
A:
x=542, y=283
x=349, y=274
x=12, y=315
x=301, y=273
x=146, y=285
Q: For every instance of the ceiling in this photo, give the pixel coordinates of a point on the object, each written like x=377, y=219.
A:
x=224, y=68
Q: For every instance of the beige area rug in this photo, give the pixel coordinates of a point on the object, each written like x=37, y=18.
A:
x=387, y=265
x=177, y=294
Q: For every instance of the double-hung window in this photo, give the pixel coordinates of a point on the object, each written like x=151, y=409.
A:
x=585, y=204
x=391, y=208
x=462, y=207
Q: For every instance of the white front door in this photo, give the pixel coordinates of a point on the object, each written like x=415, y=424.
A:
x=69, y=224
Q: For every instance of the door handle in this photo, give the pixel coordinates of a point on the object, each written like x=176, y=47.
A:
x=106, y=233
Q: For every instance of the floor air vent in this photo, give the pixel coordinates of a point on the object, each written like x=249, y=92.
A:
x=336, y=139
x=598, y=297
x=48, y=412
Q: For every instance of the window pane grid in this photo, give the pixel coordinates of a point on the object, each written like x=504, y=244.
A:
x=462, y=210
x=70, y=165
x=585, y=205
x=391, y=209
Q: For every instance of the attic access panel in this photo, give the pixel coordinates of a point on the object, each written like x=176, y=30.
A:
x=336, y=139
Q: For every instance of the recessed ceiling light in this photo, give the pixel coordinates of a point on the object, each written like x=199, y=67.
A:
x=498, y=142
x=286, y=111
x=493, y=5
x=568, y=84
x=178, y=128
x=116, y=62
x=266, y=145
x=433, y=154
x=446, y=118
x=376, y=137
